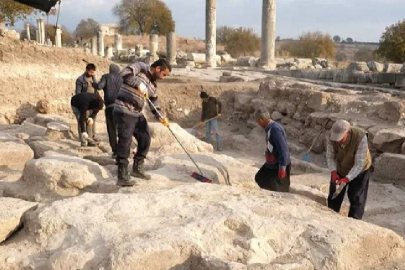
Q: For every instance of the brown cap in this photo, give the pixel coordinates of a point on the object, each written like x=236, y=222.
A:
x=339, y=129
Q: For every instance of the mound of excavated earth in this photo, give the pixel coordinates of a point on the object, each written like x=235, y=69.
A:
x=200, y=226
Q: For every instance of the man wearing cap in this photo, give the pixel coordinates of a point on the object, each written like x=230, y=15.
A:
x=349, y=160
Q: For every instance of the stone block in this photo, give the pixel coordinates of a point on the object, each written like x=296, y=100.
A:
x=400, y=80
x=386, y=78
x=389, y=168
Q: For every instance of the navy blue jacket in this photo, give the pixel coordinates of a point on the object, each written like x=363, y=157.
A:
x=278, y=143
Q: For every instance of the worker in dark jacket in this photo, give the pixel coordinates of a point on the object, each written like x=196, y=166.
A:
x=85, y=107
x=111, y=84
x=139, y=86
x=211, y=108
x=275, y=173
x=87, y=83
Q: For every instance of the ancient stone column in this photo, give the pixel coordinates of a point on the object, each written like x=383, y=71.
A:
x=43, y=38
x=138, y=49
x=153, y=47
x=211, y=33
x=268, y=34
x=110, y=52
x=171, y=49
x=94, y=45
x=118, y=42
x=100, y=40
x=58, y=37
x=39, y=31
x=48, y=42
x=27, y=29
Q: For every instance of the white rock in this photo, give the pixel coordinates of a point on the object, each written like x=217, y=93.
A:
x=389, y=140
x=205, y=224
x=167, y=144
x=246, y=61
x=14, y=155
x=243, y=103
x=276, y=116
x=11, y=211
x=389, y=168
x=56, y=176
x=375, y=66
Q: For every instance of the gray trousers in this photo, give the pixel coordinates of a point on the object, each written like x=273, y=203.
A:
x=91, y=130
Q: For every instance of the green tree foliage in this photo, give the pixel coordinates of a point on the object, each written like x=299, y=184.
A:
x=86, y=29
x=11, y=11
x=310, y=45
x=239, y=41
x=349, y=40
x=337, y=39
x=144, y=17
x=392, y=43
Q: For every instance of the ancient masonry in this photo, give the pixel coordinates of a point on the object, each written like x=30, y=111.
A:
x=171, y=49
x=100, y=40
x=211, y=33
x=153, y=47
x=27, y=29
x=268, y=34
x=58, y=37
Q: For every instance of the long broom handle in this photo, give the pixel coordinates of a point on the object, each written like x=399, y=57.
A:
x=317, y=137
x=174, y=135
x=205, y=122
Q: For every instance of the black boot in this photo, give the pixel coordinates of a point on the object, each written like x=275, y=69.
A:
x=124, y=180
x=138, y=170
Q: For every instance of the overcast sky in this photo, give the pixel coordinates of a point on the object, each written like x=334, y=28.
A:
x=363, y=20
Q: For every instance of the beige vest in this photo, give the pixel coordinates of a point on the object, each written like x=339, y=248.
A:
x=345, y=157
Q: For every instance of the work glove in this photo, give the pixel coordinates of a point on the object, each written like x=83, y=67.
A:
x=90, y=121
x=343, y=180
x=282, y=173
x=164, y=122
x=201, y=124
x=85, y=136
x=334, y=177
x=219, y=115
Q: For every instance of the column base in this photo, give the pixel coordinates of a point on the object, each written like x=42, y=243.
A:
x=272, y=65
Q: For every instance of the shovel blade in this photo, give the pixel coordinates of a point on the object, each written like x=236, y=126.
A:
x=201, y=178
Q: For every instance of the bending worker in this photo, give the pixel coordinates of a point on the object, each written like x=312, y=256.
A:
x=139, y=82
x=349, y=160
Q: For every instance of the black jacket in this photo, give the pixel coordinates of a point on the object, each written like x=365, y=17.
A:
x=84, y=102
x=210, y=108
x=111, y=84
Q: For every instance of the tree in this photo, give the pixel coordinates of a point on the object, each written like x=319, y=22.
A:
x=392, y=43
x=11, y=11
x=223, y=34
x=50, y=32
x=278, y=38
x=242, y=41
x=144, y=17
x=349, y=40
x=337, y=39
x=310, y=45
x=86, y=29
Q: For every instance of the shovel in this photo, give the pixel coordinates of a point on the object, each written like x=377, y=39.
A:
x=338, y=190
x=200, y=177
x=193, y=131
x=307, y=157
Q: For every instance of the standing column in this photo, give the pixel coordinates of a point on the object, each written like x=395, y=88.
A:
x=153, y=47
x=27, y=30
x=39, y=31
x=100, y=38
x=58, y=37
x=94, y=45
x=171, y=49
x=43, y=38
x=118, y=42
x=268, y=34
x=211, y=33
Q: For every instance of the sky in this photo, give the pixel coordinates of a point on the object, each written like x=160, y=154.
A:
x=362, y=20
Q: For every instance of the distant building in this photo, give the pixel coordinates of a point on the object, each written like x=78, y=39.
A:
x=109, y=29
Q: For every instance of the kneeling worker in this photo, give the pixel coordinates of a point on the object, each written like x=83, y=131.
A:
x=349, y=160
x=275, y=173
x=85, y=107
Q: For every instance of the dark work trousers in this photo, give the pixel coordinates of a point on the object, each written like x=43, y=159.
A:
x=111, y=127
x=357, y=193
x=268, y=179
x=129, y=126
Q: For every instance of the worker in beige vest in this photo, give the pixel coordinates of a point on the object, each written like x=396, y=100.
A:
x=349, y=160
